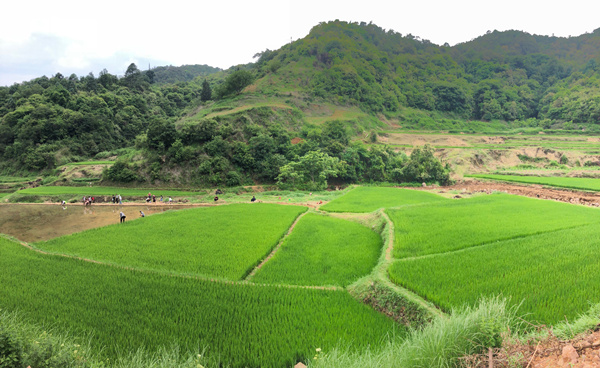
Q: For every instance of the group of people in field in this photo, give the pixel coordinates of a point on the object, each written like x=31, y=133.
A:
x=117, y=199
x=87, y=201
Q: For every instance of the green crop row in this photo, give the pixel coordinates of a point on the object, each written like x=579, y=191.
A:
x=556, y=275
x=223, y=241
x=452, y=225
x=243, y=325
x=106, y=191
x=323, y=251
x=369, y=199
x=554, y=181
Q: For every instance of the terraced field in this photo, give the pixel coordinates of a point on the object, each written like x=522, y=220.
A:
x=458, y=224
x=223, y=242
x=323, y=251
x=592, y=184
x=242, y=324
x=368, y=199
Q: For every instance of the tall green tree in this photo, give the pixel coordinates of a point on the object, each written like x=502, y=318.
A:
x=206, y=93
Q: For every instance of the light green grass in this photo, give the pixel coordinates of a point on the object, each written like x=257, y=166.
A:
x=224, y=241
x=14, y=179
x=555, y=274
x=369, y=199
x=108, y=191
x=323, y=251
x=243, y=325
x=458, y=224
x=90, y=163
x=553, y=181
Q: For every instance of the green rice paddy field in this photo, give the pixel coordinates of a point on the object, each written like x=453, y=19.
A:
x=223, y=241
x=244, y=325
x=591, y=184
x=368, y=199
x=156, y=285
x=323, y=251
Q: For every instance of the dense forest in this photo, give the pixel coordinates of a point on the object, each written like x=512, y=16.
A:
x=165, y=118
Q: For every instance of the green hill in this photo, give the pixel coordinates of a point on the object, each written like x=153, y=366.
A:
x=330, y=92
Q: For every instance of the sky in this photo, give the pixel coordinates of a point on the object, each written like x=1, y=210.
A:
x=41, y=37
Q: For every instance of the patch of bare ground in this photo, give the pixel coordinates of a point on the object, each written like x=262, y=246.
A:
x=468, y=187
x=580, y=352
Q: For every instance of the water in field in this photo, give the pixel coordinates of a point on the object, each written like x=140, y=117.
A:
x=35, y=222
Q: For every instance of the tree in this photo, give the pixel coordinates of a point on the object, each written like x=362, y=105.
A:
x=206, y=93
x=310, y=172
x=235, y=83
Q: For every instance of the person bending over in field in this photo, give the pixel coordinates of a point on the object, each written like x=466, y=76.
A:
x=142, y=214
x=253, y=199
x=122, y=216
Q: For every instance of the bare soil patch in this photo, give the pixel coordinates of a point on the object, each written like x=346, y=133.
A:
x=580, y=352
x=534, y=191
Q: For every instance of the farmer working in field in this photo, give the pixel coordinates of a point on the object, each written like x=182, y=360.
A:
x=122, y=216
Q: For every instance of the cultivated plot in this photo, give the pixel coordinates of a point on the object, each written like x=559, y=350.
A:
x=458, y=224
x=223, y=241
x=323, y=251
x=124, y=310
x=369, y=199
x=553, y=181
x=555, y=274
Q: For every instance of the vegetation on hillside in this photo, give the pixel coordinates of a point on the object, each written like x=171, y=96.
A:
x=198, y=125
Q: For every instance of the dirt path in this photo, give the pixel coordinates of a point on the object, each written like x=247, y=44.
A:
x=255, y=270
x=535, y=191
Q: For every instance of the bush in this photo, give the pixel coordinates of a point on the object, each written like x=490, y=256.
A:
x=120, y=172
x=11, y=353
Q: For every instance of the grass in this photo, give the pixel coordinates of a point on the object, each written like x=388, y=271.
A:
x=555, y=274
x=240, y=324
x=14, y=179
x=106, y=191
x=323, y=251
x=369, y=199
x=451, y=225
x=90, y=163
x=441, y=344
x=223, y=241
x=561, y=182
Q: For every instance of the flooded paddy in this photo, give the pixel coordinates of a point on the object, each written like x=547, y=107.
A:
x=37, y=222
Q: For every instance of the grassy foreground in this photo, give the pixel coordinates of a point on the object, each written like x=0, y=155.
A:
x=223, y=241
x=240, y=324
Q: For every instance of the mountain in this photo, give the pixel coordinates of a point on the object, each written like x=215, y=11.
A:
x=340, y=84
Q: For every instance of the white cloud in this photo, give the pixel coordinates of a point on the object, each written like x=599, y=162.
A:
x=43, y=37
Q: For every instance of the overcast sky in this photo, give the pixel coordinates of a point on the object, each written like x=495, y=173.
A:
x=42, y=37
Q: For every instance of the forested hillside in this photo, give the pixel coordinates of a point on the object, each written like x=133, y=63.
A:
x=260, y=122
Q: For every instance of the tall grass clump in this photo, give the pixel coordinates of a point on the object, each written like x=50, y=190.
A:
x=468, y=330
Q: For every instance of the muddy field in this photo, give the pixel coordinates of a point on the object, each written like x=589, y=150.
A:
x=36, y=222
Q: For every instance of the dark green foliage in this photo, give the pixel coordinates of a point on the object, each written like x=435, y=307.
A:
x=234, y=83
x=424, y=167
x=206, y=93
x=120, y=172
x=10, y=351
